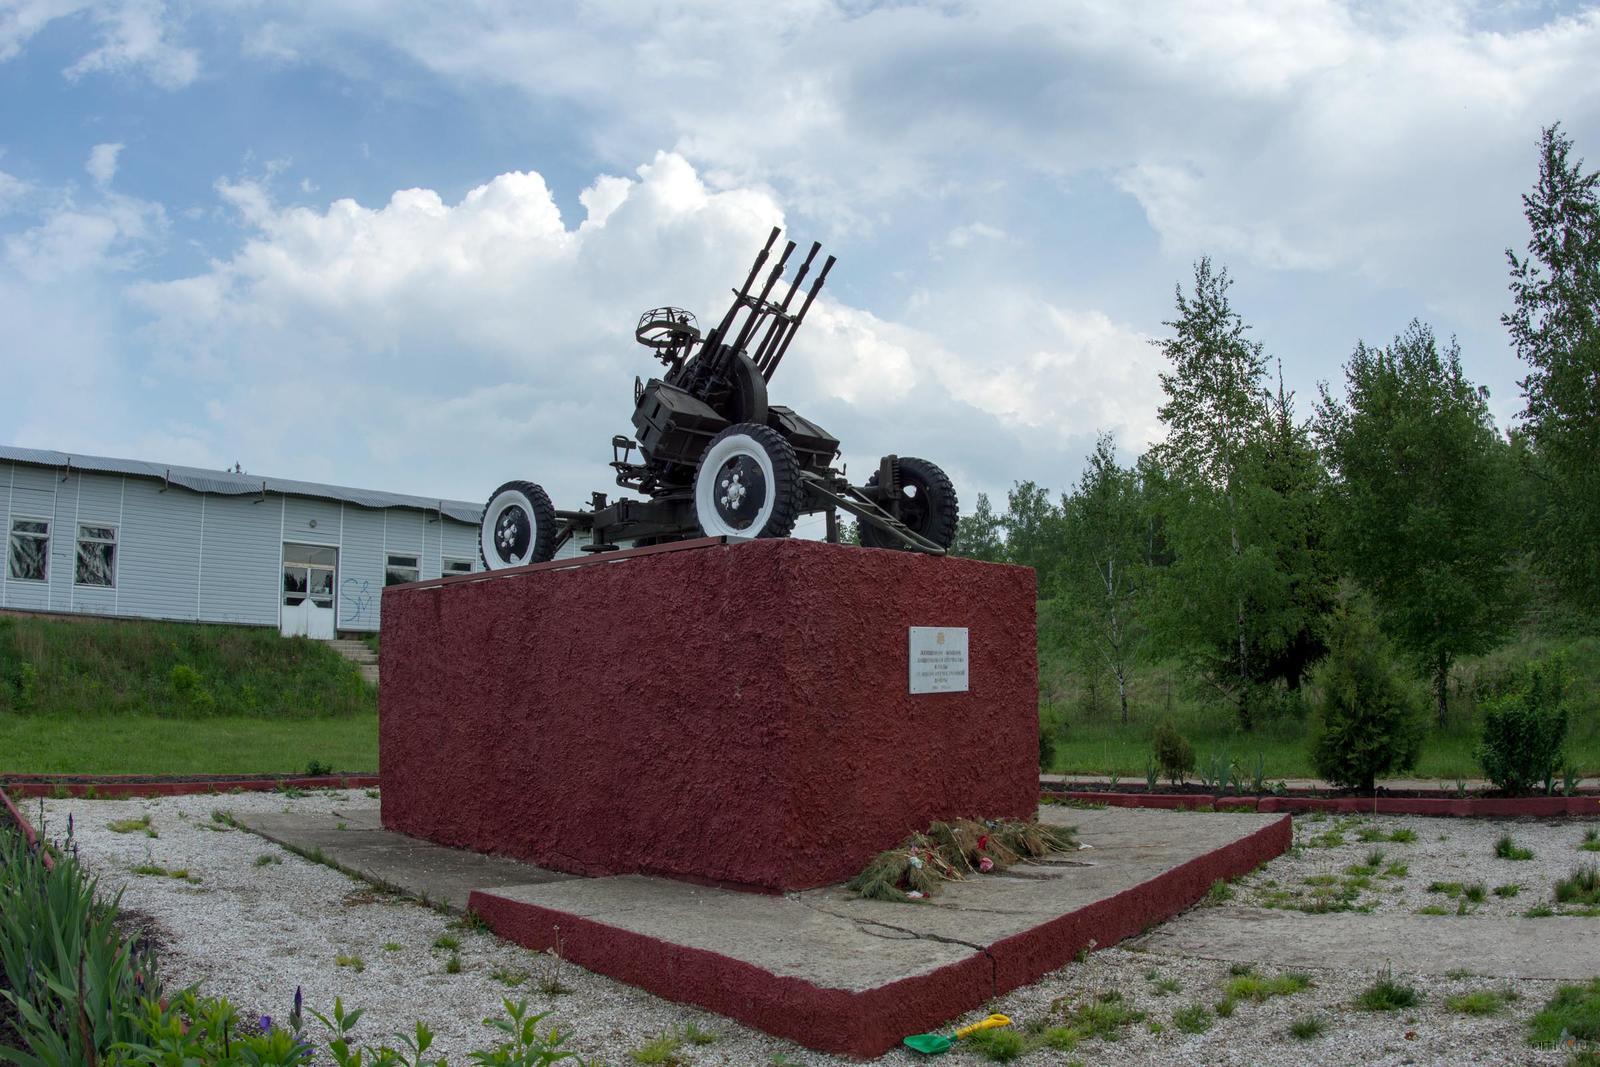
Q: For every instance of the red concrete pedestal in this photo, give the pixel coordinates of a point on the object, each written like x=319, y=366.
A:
x=732, y=714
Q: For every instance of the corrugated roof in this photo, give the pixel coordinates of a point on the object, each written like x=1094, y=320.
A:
x=227, y=482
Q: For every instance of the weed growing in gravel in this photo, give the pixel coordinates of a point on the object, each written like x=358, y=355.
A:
x=1194, y=1019
x=1475, y=892
x=1104, y=1017
x=508, y=977
x=453, y=964
x=1449, y=889
x=371, y=794
x=1155, y=1026
x=1539, y=911
x=267, y=859
x=1308, y=1029
x=1396, y=870
x=1163, y=986
x=1591, y=840
x=470, y=921
x=1223, y=1008
x=447, y=941
x=355, y=963
x=1582, y=886
x=154, y=870
x=1403, y=836
x=547, y=979
x=997, y=1046
x=1506, y=892
x=661, y=1050
x=1433, y=909
x=1386, y=994
x=693, y=1034
x=1254, y=987
x=1508, y=849
x=1573, y=1012
x=392, y=946
x=1327, y=839
x=141, y=825
x=1219, y=893
x=1480, y=1001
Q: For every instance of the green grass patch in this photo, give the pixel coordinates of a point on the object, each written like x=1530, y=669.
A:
x=660, y=1051
x=1480, y=1001
x=1573, y=1011
x=1508, y=849
x=999, y=1045
x=1308, y=1028
x=447, y=941
x=1582, y=886
x=1256, y=988
x=355, y=963
x=141, y=825
x=1506, y=892
x=149, y=744
x=1591, y=840
x=90, y=668
x=1193, y=1019
x=1387, y=994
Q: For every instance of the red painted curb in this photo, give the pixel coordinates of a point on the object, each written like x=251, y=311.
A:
x=1460, y=807
x=25, y=827
x=116, y=787
x=868, y=1023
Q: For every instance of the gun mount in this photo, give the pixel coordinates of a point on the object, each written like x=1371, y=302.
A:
x=715, y=457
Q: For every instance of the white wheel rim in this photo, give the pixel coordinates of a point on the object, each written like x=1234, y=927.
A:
x=705, y=486
x=506, y=498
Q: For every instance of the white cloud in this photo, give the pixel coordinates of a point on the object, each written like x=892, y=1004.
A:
x=102, y=165
x=132, y=35
x=446, y=347
x=12, y=190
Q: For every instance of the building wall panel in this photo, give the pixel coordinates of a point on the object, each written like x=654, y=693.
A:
x=240, y=556
x=361, y=568
x=461, y=542
x=30, y=497
x=299, y=512
x=96, y=500
x=160, y=551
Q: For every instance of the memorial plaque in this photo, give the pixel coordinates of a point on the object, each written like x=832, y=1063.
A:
x=938, y=659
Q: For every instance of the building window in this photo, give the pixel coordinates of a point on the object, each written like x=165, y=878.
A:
x=97, y=556
x=29, y=558
x=401, y=569
x=458, y=566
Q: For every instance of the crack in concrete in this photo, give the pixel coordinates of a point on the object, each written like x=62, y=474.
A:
x=916, y=935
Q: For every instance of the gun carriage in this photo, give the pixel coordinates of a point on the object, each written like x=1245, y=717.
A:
x=715, y=457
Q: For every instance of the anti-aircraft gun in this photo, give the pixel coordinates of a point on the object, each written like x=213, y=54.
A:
x=716, y=458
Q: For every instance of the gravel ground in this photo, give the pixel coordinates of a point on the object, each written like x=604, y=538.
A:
x=252, y=928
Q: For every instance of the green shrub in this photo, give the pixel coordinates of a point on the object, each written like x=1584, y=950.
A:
x=1521, y=746
x=1366, y=720
x=1174, y=755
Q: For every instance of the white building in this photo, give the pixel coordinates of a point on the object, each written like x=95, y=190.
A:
x=96, y=536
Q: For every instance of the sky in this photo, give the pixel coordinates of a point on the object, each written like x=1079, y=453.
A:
x=403, y=245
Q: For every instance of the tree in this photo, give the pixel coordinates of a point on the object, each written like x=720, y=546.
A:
x=1420, y=485
x=1366, y=721
x=978, y=534
x=1229, y=602
x=1100, y=581
x=1555, y=328
x=1033, y=530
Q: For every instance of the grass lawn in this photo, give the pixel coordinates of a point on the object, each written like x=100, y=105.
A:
x=1090, y=740
x=147, y=744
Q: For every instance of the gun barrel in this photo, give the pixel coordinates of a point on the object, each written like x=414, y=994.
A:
x=744, y=290
x=780, y=323
x=759, y=305
x=794, y=327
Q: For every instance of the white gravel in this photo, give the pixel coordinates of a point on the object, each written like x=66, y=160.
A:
x=252, y=933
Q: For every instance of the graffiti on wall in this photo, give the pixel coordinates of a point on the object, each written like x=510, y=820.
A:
x=355, y=601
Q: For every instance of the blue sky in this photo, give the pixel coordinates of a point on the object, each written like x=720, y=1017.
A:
x=402, y=245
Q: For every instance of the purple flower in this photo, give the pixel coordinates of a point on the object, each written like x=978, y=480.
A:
x=69, y=824
x=266, y=1024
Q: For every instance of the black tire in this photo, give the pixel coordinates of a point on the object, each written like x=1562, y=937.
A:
x=518, y=527
x=748, y=484
x=928, y=506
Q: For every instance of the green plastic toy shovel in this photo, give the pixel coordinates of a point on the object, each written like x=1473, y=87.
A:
x=933, y=1044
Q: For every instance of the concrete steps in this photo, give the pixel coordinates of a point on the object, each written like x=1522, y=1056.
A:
x=358, y=653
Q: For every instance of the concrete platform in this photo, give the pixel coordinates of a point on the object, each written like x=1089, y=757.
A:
x=820, y=967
